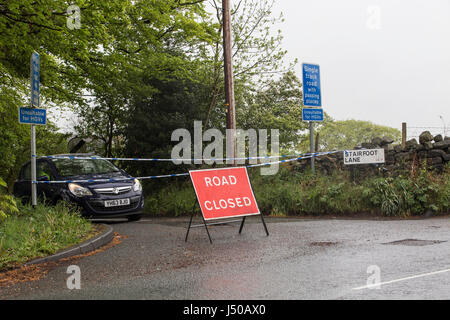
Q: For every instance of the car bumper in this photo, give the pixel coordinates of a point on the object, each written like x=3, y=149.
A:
x=95, y=207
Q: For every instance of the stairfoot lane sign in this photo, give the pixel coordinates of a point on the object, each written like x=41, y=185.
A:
x=224, y=193
x=363, y=156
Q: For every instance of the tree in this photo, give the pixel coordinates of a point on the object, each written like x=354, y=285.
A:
x=15, y=137
x=189, y=50
x=278, y=106
x=257, y=54
x=65, y=58
x=177, y=103
x=340, y=135
x=65, y=54
x=161, y=40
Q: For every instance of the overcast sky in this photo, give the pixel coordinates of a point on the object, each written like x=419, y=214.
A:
x=386, y=61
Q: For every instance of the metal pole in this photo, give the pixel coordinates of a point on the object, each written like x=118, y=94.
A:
x=229, y=84
x=33, y=132
x=403, y=135
x=33, y=166
x=311, y=144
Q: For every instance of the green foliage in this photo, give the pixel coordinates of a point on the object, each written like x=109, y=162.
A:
x=174, y=199
x=277, y=106
x=8, y=204
x=15, y=143
x=304, y=193
x=443, y=196
x=290, y=192
x=41, y=231
x=257, y=53
x=341, y=135
x=161, y=41
x=176, y=105
x=274, y=194
x=406, y=195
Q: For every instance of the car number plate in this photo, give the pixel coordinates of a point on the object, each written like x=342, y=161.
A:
x=116, y=203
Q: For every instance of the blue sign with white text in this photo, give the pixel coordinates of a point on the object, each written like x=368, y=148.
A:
x=311, y=85
x=312, y=114
x=32, y=116
x=35, y=79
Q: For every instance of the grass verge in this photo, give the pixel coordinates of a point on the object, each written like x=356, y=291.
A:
x=45, y=230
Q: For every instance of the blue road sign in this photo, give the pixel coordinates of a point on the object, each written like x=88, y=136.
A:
x=32, y=116
x=311, y=85
x=35, y=79
x=312, y=114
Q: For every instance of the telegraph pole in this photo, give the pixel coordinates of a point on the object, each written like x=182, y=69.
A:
x=229, y=84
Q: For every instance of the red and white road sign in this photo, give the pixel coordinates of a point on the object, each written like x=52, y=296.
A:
x=224, y=193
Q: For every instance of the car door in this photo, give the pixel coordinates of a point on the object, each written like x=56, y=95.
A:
x=22, y=187
x=44, y=172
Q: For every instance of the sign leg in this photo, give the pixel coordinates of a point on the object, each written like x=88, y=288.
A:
x=242, y=225
x=189, y=227
x=264, y=223
x=207, y=231
x=190, y=221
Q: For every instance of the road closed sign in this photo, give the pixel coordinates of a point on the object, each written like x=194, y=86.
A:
x=365, y=156
x=224, y=193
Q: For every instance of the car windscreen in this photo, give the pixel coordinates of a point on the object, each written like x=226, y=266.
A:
x=79, y=167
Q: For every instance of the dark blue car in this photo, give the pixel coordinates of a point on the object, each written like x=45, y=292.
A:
x=122, y=198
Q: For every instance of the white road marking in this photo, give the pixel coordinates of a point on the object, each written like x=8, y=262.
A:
x=402, y=279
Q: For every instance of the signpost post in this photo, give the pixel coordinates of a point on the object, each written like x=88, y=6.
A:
x=34, y=74
x=222, y=194
x=312, y=97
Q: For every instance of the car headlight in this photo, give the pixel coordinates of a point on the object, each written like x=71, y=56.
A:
x=78, y=190
x=137, y=185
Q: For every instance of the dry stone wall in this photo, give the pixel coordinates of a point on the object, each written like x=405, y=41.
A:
x=430, y=151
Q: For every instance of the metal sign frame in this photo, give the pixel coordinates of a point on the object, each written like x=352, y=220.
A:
x=226, y=219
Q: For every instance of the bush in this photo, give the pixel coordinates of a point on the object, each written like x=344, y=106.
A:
x=8, y=204
x=409, y=195
x=173, y=199
x=291, y=192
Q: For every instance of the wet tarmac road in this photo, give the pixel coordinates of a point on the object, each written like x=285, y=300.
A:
x=301, y=259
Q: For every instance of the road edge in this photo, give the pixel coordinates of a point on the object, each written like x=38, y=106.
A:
x=83, y=248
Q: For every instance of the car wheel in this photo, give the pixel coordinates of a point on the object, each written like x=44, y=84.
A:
x=134, y=217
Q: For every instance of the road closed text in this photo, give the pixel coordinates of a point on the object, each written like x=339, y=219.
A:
x=220, y=181
x=224, y=192
x=223, y=204
x=228, y=203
